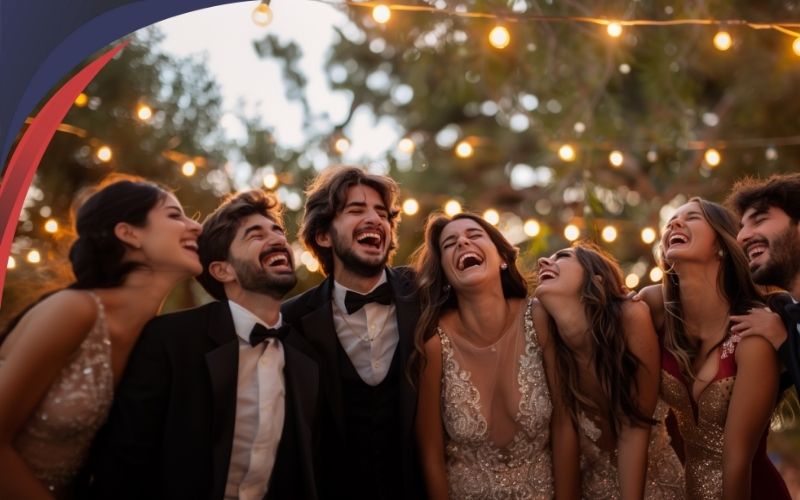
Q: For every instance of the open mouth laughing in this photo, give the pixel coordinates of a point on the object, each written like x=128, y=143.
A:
x=370, y=238
x=278, y=259
x=467, y=260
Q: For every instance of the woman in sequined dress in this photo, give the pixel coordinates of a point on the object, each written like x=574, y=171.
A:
x=721, y=387
x=60, y=358
x=603, y=367
x=484, y=409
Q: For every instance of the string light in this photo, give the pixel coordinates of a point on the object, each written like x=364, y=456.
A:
x=188, y=168
x=381, y=14
x=308, y=260
x=712, y=157
x=270, y=180
x=34, y=257
x=656, y=274
x=499, y=37
x=144, y=112
x=614, y=29
x=532, y=228
x=566, y=153
x=410, y=206
x=648, y=235
x=571, y=232
x=631, y=280
x=12, y=263
x=104, y=154
x=464, y=149
x=609, y=234
x=491, y=216
x=82, y=100
x=452, y=208
x=406, y=145
x=796, y=46
x=341, y=145
x=616, y=158
x=51, y=226
x=262, y=14
x=723, y=40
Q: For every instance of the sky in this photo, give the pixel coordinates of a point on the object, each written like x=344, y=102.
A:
x=224, y=35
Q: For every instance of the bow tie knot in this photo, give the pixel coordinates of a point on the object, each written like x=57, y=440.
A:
x=353, y=301
x=260, y=333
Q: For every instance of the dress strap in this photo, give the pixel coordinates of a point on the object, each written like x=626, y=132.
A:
x=530, y=331
x=100, y=323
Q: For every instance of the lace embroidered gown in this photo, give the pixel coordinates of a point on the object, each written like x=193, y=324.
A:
x=599, y=474
x=702, y=427
x=496, y=413
x=56, y=438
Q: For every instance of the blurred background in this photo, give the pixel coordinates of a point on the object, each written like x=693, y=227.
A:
x=551, y=128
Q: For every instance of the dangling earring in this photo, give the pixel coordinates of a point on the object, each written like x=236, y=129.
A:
x=503, y=266
x=720, y=253
x=446, y=288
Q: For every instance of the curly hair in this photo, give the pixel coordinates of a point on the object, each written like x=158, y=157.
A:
x=782, y=191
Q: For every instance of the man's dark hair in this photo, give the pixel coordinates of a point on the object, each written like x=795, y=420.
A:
x=782, y=191
x=325, y=198
x=219, y=230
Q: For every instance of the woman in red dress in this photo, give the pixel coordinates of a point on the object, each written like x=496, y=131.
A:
x=721, y=387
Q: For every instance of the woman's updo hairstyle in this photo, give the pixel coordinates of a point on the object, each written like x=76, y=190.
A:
x=97, y=254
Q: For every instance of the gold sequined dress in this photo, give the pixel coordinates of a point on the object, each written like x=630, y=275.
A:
x=702, y=428
x=599, y=475
x=56, y=438
x=496, y=411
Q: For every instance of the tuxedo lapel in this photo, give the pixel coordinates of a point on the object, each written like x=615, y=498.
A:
x=321, y=334
x=407, y=312
x=223, y=370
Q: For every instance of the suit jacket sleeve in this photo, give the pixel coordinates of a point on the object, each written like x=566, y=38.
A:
x=126, y=461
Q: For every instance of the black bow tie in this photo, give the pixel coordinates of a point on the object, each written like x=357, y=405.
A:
x=260, y=333
x=354, y=301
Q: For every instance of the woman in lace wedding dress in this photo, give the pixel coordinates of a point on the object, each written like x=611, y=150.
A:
x=602, y=363
x=484, y=409
x=60, y=358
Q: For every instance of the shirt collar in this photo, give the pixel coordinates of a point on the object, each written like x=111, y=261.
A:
x=339, y=291
x=244, y=321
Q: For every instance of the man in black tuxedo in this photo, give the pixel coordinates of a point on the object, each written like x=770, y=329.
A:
x=219, y=401
x=770, y=237
x=361, y=321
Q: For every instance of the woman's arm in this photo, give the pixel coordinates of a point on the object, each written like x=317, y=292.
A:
x=749, y=411
x=564, y=442
x=43, y=343
x=430, y=433
x=634, y=437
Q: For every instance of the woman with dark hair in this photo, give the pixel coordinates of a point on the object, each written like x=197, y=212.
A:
x=60, y=359
x=602, y=365
x=721, y=387
x=484, y=408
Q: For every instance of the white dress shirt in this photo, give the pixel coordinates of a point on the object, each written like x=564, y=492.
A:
x=369, y=336
x=260, y=395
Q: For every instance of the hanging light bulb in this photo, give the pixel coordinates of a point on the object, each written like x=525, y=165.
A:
x=712, y=157
x=341, y=145
x=410, y=206
x=723, y=40
x=796, y=46
x=631, y=280
x=406, y=145
x=464, y=149
x=452, y=208
x=12, y=262
x=648, y=235
x=571, y=232
x=188, y=168
x=144, y=112
x=104, y=154
x=491, y=216
x=381, y=14
x=566, y=153
x=609, y=234
x=270, y=180
x=499, y=37
x=616, y=158
x=262, y=14
x=34, y=257
x=51, y=226
x=82, y=100
x=656, y=274
x=532, y=227
x=614, y=29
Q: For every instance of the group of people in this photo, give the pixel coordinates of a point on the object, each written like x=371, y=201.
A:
x=454, y=377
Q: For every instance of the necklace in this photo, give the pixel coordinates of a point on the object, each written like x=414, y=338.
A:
x=366, y=338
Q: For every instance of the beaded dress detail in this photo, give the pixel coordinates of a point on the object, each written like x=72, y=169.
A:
x=599, y=475
x=702, y=427
x=496, y=413
x=56, y=438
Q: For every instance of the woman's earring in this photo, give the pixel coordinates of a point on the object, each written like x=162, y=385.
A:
x=446, y=288
x=503, y=266
x=720, y=253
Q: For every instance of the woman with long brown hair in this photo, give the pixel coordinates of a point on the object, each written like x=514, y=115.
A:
x=601, y=354
x=484, y=408
x=721, y=387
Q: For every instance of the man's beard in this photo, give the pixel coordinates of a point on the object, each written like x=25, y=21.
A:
x=352, y=262
x=255, y=278
x=784, y=260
